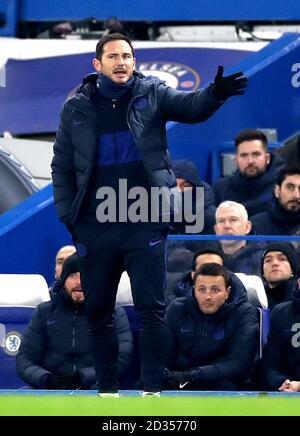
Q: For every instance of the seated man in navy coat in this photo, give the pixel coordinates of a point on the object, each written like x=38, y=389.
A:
x=212, y=335
x=55, y=351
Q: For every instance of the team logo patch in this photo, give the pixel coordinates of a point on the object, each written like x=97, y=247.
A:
x=219, y=333
x=177, y=76
x=12, y=343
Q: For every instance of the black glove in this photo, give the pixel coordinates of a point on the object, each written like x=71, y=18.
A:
x=53, y=381
x=230, y=85
x=177, y=379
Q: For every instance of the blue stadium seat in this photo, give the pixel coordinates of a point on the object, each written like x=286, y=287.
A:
x=264, y=325
x=13, y=322
x=19, y=295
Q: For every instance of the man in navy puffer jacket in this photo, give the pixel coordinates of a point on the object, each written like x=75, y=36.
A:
x=112, y=139
x=212, y=335
x=55, y=352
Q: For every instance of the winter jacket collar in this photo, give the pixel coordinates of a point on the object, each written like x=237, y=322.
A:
x=281, y=216
x=257, y=184
x=82, y=100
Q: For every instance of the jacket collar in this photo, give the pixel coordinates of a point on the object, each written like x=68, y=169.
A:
x=81, y=101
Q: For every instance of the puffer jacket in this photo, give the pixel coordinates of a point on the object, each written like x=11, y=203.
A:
x=281, y=354
x=151, y=106
x=56, y=342
x=219, y=347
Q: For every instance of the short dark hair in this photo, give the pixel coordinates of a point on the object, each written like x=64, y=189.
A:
x=111, y=37
x=251, y=135
x=207, y=249
x=213, y=269
x=288, y=170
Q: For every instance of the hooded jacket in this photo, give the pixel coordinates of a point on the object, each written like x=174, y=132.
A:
x=56, y=342
x=281, y=293
x=187, y=170
x=246, y=260
x=254, y=193
x=216, y=347
x=151, y=105
x=281, y=354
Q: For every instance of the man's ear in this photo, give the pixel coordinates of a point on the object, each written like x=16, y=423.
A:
x=228, y=290
x=277, y=191
x=96, y=64
x=248, y=227
x=268, y=158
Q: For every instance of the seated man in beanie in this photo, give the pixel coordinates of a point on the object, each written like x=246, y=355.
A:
x=280, y=366
x=212, y=335
x=55, y=352
x=279, y=266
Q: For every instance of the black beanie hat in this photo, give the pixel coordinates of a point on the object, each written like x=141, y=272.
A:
x=285, y=248
x=70, y=266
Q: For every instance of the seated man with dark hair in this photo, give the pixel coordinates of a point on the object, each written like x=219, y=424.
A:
x=279, y=265
x=283, y=214
x=210, y=252
x=212, y=335
x=257, y=168
x=55, y=352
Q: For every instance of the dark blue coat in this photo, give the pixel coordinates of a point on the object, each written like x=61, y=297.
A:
x=246, y=260
x=151, y=106
x=56, y=341
x=253, y=193
x=219, y=347
x=281, y=354
x=187, y=170
x=276, y=221
x=281, y=293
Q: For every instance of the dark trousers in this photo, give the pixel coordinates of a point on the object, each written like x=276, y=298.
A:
x=140, y=250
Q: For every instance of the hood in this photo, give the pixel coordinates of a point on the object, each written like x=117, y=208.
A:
x=186, y=169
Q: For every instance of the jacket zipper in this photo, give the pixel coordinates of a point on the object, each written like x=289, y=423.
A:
x=73, y=340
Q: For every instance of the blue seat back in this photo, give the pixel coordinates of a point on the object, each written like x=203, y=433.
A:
x=264, y=325
x=13, y=322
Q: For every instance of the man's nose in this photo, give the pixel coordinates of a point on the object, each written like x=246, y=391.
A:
x=207, y=296
x=275, y=262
